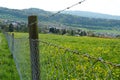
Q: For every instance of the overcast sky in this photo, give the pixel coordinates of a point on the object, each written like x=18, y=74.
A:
x=101, y=6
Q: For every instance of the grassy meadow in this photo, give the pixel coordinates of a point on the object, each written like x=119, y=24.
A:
x=60, y=64
x=107, y=48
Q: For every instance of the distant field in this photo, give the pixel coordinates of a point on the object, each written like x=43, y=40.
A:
x=108, y=49
x=60, y=64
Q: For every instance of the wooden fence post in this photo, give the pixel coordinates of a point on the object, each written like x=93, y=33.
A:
x=34, y=46
x=12, y=50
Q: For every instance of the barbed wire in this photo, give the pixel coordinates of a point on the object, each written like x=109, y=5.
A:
x=67, y=8
x=77, y=61
x=100, y=59
x=62, y=55
x=60, y=11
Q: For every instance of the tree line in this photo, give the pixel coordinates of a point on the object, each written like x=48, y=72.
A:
x=54, y=30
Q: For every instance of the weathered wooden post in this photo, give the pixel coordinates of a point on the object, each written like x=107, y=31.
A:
x=12, y=50
x=34, y=46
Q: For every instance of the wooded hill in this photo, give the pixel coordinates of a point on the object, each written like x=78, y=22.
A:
x=65, y=19
x=92, y=14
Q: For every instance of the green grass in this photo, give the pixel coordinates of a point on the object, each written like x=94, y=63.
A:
x=60, y=64
x=7, y=66
x=107, y=48
x=70, y=66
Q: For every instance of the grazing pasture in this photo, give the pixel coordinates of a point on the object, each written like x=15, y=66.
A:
x=70, y=57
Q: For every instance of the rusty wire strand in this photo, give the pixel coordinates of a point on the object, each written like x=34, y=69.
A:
x=26, y=66
x=60, y=11
x=100, y=59
x=67, y=8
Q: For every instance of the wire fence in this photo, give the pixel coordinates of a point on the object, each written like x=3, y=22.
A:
x=19, y=48
x=67, y=64
x=59, y=63
x=56, y=62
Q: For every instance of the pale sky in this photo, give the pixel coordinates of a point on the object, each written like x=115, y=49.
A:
x=101, y=6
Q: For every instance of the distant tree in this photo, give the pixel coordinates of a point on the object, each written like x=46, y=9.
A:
x=118, y=36
x=83, y=33
x=58, y=31
x=11, y=28
x=63, y=31
x=2, y=26
x=72, y=32
x=52, y=30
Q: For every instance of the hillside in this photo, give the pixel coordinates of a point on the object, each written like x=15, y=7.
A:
x=92, y=15
x=65, y=19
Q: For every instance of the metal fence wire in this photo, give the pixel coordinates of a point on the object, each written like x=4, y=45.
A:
x=59, y=63
x=21, y=55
